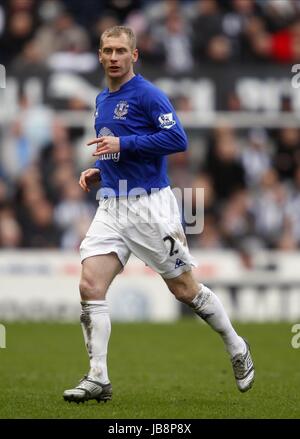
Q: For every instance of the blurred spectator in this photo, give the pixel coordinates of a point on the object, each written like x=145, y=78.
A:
x=282, y=46
x=270, y=208
x=41, y=231
x=106, y=20
x=50, y=9
x=279, y=12
x=137, y=21
x=157, y=12
x=29, y=58
x=150, y=50
x=61, y=35
x=179, y=170
x=293, y=209
x=175, y=38
x=221, y=35
x=15, y=6
x=236, y=219
x=28, y=135
x=57, y=165
x=10, y=231
x=235, y=23
x=20, y=28
x=287, y=154
x=224, y=164
x=255, y=157
x=210, y=238
x=207, y=25
x=85, y=13
x=286, y=241
x=204, y=181
x=219, y=49
x=3, y=191
x=35, y=213
x=233, y=101
x=73, y=214
x=121, y=8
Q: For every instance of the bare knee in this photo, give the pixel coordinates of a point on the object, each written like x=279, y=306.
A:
x=97, y=274
x=91, y=290
x=184, y=287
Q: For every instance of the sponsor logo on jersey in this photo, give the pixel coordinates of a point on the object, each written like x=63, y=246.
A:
x=115, y=156
x=166, y=120
x=105, y=132
x=121, y=110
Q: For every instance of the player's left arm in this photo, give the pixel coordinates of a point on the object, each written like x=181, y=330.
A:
x=168, y=136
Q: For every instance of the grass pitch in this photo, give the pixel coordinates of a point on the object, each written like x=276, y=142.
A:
x=175, y=370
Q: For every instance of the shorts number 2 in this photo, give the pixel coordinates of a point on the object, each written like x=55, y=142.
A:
x=172, y=244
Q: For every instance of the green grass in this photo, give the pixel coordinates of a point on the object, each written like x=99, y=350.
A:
x=175, y=370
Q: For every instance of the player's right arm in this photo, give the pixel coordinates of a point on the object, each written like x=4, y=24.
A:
x=89, y=177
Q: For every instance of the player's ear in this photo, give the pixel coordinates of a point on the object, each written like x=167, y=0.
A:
x=99, y=55
x=135, y=55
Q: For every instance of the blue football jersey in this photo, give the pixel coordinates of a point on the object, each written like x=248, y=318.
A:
x=143, y=118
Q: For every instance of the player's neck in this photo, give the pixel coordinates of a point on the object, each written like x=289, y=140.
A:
x=114, y=84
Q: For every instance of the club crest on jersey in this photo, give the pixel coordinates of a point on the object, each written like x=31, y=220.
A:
x=166, y=120
x=121, y=110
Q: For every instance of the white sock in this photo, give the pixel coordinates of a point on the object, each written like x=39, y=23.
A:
x=209, y=307
x=95, y=323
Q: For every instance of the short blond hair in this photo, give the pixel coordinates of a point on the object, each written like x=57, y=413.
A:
x=116, y=31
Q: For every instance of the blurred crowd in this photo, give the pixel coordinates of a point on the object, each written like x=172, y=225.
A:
x=251, y=178
x=251, y=181
x=177, y=34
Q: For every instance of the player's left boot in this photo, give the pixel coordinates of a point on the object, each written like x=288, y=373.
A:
x=243, y=369
x=88, y=389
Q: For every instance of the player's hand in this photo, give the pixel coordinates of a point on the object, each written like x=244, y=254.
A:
x=105, y=145
x=89, y=178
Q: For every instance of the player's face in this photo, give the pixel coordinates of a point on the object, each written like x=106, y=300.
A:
x=117, y=57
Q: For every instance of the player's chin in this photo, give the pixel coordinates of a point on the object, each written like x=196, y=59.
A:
x=115, y=73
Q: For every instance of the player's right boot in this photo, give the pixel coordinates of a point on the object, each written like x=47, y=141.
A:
x=243, y=369
x=88, y=389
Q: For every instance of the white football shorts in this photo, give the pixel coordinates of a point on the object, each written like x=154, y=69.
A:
x=148, y=226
